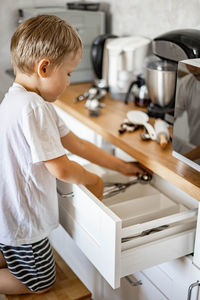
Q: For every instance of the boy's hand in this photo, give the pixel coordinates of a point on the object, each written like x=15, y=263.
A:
x=97, y=188
x=133, y=169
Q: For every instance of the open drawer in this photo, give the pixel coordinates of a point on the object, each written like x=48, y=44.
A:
x=126, y=233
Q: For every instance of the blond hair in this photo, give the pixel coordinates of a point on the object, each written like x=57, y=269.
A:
x=40, y=37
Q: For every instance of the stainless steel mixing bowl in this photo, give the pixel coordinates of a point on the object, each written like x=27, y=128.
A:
x=161, y=81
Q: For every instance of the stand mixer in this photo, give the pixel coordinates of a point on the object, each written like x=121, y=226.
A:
x=161, y=69
x=161, y=86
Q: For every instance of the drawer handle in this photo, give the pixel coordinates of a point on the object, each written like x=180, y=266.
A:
x=191, y=287
x=145, y=232
x=133, y=282
x=168, y=220
x=68, y=195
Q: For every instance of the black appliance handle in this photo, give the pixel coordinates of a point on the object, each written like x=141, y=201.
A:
x=97, y=50
x=139, y=82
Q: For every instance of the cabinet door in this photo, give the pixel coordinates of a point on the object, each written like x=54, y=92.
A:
x=161, y=280
x=148, y=291
x=182, y=274
x=110, y=233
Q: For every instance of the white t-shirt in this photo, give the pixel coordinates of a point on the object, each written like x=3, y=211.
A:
x=30, y=132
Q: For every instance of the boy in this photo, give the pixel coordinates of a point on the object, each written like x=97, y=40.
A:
x=44, y=51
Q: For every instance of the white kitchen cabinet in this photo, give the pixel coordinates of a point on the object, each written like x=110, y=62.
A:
x=158, y=282
x=155, y=284
x=145, y=291
x=183, y=273
x=100, y=229
x=148, y=291
x=160, y=279
x=172, y=279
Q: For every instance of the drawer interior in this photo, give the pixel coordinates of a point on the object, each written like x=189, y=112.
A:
x=143, y=206
x=138, y=203
x=145, y=209
x=145, y=213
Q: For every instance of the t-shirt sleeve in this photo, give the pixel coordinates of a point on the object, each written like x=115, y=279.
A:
x=62, y=127
x=43, y=132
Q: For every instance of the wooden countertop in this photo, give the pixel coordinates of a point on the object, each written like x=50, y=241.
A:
x=149, y=153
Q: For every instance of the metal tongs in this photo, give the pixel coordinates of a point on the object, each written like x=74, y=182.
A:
x=114, y=188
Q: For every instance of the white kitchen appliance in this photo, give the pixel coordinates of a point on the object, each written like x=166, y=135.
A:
x=88, y=24
x=186, y=129
x=123, y=58
x=171, y=47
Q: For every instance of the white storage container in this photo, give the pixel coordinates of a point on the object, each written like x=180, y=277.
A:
x=111, y=233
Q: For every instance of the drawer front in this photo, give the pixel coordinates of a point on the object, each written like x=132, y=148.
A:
x=95, y=229
x=98, y=232
x=157, y=252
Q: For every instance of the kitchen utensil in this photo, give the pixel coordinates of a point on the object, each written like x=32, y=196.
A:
x=95, y=94
x=141, y=118
x=162, y=132
x=128, y=126
x=81, y=97
x=93, y=104
x=145, y=136
x=90, y=94
x=113, y=188
x=161, y=80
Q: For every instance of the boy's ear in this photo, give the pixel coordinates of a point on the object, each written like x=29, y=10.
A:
x=43, y=67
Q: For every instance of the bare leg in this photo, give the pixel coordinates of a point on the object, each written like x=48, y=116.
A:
x=3, y=263
x=9, y=284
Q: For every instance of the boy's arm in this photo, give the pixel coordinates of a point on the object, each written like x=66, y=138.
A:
x=100, y=157
x=70, y=171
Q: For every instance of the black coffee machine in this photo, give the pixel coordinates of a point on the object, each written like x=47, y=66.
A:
x=169, y=49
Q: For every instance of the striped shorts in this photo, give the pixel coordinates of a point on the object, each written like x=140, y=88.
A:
x=32, y=264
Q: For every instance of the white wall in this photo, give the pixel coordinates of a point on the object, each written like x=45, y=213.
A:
x=153, y=17
x=146, y=17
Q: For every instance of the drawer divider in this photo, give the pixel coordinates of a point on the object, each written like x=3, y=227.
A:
x=139, y=228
